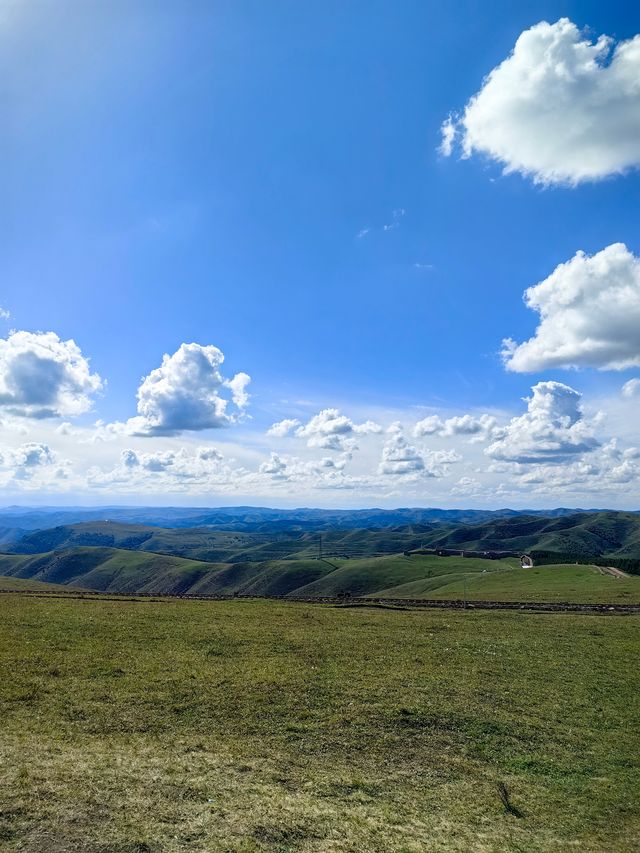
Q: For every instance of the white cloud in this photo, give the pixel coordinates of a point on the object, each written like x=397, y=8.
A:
x=401, y=458
x=282, y=428
x=449, y=133
x=559, y=108
x=589, y=311
x=276, y=467
x=4, y=314
x=179, y=469
x=332, y=430
x=31, y=466
x=42, y=376
x=238, y=388
x=185, y=393
x=431, y=425
x=631, y=388
x=478, y=428
x=552, y=430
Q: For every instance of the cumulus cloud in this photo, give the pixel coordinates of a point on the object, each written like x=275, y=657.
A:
x=42, y=376
x=181, y=469
x=552, y=430
x=275, y=467
x=283, y=428
x=186, y=393
x=589, y=311
x=401, y=458
x=560, y=108
x=332, y=430
x=31, y=466
x=476, y=428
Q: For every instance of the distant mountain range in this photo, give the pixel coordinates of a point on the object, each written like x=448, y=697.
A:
x=119, y=557
x=16, y=520
x=583, y=535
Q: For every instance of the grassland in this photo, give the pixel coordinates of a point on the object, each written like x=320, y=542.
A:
x=140, y=727
x=116, y=570
x=30, y=585
x=572, y=583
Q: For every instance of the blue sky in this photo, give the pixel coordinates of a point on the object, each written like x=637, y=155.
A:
x=265, y=178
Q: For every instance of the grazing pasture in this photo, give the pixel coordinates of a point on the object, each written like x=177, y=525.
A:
x=266, y=726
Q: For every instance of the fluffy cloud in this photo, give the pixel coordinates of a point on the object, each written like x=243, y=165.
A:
x=478, y=429
x=589, y=311
x=164, y=470
x=42, y=376
x=185, y=393
x=275, y=467
x=331, y=430
x=282, y=428
x=31, y=466
x=401, y=458
x=560, y=108
x=552, y=430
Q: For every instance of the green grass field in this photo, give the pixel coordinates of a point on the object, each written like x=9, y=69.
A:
x=142, y=726
x=572, y=583
x=30, y=585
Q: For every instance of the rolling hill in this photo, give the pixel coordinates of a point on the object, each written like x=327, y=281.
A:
x=221, y=546
x=111, y=556
x=584, y=536
x=119, y=571
x=581, y=536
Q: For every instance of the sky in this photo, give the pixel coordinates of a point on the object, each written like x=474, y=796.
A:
x=327, y=254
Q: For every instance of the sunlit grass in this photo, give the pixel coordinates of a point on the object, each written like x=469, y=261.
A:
x=248, y=725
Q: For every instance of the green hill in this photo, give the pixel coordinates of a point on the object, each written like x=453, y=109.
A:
x=120, y=571
x=572, y=583
x=108, y=570
x=582, y=536
x=370, y=576
x=116, y=570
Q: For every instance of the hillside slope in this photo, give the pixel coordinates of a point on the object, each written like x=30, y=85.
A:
x=585, y=535
x=116, y=570
x=371, y=576
x=121, y=571
x=221, y=546
x=561, y=583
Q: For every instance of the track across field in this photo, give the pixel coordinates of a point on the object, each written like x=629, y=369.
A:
x=347, y=602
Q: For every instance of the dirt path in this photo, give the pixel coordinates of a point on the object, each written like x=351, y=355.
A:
x=610, y=570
